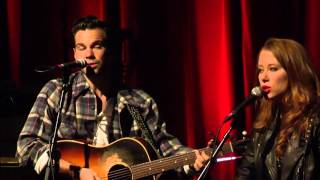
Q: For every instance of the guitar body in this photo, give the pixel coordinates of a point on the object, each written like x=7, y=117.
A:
x=129, y=158
x=110, y=162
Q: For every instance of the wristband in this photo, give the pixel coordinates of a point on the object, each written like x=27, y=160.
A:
x=75, y=170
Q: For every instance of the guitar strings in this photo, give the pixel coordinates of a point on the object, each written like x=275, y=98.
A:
x=140, y=170
x=165, y=164
x=119, y=174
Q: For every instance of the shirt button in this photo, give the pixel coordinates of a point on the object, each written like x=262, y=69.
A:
x=121, y=105
x=92, y=107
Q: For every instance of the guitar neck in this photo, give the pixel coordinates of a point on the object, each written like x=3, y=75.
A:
x=164, y=164
x=172, y=162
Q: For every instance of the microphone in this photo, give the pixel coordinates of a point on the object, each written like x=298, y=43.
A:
x=256, y=92
x=78, y=63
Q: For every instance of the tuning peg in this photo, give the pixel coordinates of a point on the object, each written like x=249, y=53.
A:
x=212, y=140
x=211, y=134
x=244, y=134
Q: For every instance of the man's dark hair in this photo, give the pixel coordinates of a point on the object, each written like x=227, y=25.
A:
x=90, y=22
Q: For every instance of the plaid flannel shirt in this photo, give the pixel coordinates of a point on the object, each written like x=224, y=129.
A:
x=79, y=119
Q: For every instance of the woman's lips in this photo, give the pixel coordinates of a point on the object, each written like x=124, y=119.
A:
x=266, y=89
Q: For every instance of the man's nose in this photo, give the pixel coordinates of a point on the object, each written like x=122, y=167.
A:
x=89, y=53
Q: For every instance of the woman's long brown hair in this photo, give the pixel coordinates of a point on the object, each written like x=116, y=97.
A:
x=303, y=90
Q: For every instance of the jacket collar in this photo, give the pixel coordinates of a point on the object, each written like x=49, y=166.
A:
x=295, y=149
x=266, y=145
x=291, y=157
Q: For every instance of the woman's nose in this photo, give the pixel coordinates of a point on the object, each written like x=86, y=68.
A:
x=263, y=76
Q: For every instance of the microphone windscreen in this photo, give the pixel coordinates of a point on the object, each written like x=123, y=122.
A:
x=81, y=62
x=256, y=91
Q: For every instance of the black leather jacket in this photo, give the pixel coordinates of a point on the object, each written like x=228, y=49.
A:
x=301, y=161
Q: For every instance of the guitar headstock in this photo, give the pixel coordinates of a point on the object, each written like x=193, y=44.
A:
x=237, y=146
x=240, y=146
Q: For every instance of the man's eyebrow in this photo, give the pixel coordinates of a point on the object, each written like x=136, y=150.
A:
x=79, y=44
x=97, y=41
x=101, y=41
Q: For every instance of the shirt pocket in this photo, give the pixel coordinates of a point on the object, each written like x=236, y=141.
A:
x=68, y=127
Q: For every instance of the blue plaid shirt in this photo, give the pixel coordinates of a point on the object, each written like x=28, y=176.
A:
x=79, y=119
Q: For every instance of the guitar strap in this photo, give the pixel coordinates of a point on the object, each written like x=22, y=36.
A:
x=146, y=132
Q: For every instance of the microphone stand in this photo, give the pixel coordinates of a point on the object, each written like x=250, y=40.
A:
x=214, y=153
x=54, y=155
x=256, y=92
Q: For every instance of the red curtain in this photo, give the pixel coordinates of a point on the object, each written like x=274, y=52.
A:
x=196, y=58
x=215, y=71
x=312, y=30
x=248, y=59
x=14, y=30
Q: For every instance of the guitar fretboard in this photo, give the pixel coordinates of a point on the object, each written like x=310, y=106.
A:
x=164, y=164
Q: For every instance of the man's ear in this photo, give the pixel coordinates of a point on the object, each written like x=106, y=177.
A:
x=74, y=53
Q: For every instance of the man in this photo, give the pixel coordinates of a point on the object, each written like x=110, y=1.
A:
x=93, y=109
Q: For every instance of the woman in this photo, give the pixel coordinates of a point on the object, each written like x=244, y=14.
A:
x=286, y=140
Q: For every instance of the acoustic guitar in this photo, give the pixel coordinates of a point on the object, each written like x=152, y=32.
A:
x=126, y=158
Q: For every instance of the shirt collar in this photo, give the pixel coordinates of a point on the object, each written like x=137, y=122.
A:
x=80, y=84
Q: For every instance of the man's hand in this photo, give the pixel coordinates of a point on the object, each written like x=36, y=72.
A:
x=88, y=174
x=84, y=173
x=201, y=159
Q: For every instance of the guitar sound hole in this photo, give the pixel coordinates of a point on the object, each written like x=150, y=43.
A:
x=119, y=172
